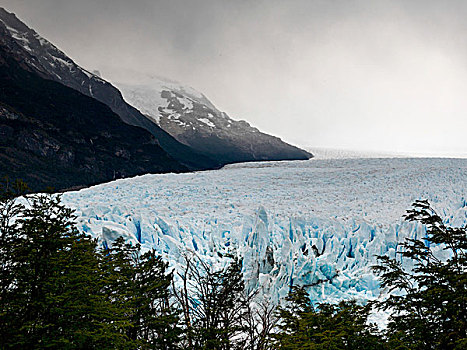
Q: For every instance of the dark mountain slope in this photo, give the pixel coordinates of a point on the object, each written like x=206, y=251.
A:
x=52, y=135
x=42, y=57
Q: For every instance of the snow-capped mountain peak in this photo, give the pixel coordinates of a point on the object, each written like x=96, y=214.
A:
x=187, y=115
x=38, y=55
x=162, y=99
x=192, y=119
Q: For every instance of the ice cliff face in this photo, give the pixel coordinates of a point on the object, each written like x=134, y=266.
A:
x=192, y=119
x=292, y=222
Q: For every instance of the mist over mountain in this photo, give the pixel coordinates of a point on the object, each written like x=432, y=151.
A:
x=192, y=119
x=198, y=147
x=54, y=136
x=42, y=57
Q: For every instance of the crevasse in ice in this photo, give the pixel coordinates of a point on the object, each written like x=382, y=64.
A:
x=318, y=223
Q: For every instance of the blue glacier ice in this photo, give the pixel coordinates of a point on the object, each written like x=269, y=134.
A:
x=317, y=223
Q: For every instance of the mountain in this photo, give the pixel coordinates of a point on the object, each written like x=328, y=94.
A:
x=38, y=55
x=192, y=119
x=196, y=134
x=54, y=136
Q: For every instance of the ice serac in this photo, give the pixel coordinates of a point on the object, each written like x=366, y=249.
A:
x=319, y=223
x=331, y=258
x=192, y=119
x=38, y=55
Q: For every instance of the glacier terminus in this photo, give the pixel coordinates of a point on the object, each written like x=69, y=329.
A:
x=317, y=223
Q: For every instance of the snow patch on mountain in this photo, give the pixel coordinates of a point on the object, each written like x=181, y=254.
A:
x=207, y=122
x=160, y=99
x=193, y=120
x=46, y=57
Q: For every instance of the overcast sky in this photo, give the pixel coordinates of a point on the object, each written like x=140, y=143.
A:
x=385, y=76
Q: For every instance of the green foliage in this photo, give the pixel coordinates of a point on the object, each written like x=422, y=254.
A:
x=329, y=326
x=139, y=287
x=59, y=291
x=429, y=304
x=9, y=209
x=52, y=297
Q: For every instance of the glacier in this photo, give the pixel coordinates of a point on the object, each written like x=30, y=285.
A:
x=316, y=223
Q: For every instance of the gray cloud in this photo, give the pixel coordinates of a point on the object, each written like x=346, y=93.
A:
x=376, y=75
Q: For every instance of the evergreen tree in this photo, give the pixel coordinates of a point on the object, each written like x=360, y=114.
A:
x=53, y=299
x=139, y=287
x=429, y=308
x=329, y=326
x=118, y=274
x=10, y=208
x=157, y=319
x=57, y=290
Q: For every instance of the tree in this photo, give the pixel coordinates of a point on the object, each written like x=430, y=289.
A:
x=214, y=305
x=329, y=326
x=428, y=304
x=9, y=209
x=59, y=291
x=158, y=323
x=139, y=287
x=260, y=321
x=52, y=296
